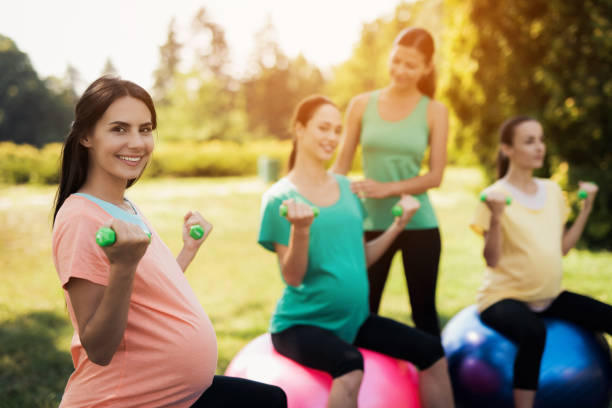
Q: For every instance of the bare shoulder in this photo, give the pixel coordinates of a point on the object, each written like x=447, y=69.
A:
x=358, y=104
x=436, y=109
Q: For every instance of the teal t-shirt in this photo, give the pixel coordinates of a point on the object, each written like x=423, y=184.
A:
x=393, y=151
x=334, y=292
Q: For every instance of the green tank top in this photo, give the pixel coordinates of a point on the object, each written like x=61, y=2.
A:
x=393, y=151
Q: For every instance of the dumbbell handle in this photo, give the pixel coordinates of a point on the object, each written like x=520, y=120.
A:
x=483, y=198
x=106, y=236
x=283, y=210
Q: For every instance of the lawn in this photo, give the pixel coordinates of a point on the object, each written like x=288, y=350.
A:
x=236, y=281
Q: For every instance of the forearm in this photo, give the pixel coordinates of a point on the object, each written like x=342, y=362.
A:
x=415, y=185
x=375, y=248
x=295, y=261
x=185, y=257
x=493, y=241
x=572, y=234
x=104, y=331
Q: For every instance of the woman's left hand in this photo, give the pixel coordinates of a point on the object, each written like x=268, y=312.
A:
x=195, y=218
x=591, y=190
x=369, y=188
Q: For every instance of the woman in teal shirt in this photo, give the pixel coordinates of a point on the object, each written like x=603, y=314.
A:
x=395, y=125
x=323, y=314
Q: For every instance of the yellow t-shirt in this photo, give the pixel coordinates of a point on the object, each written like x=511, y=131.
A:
x=529, y=268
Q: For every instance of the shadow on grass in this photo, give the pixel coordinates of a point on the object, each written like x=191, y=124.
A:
x=33, y=372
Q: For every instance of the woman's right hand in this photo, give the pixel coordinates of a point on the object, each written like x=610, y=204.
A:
x=496, y=201
x=130, y=245
x=299, y=214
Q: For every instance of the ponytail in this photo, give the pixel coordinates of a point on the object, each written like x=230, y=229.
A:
x=427, y=84
x=291, y=161
x=503, y=163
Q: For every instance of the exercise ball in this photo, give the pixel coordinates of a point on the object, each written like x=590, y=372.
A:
x=387, y=382
x=575, y=370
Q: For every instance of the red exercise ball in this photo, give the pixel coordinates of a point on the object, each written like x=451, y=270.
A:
x=387, y=382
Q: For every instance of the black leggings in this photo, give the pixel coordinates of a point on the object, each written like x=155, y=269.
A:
x=420, y=256
x=318, y=348
x=231, y=392
x=515, y=320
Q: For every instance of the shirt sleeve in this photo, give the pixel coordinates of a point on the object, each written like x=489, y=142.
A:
x=482, y=218
x=274, y=229
x=564, y=208
x=76, y=253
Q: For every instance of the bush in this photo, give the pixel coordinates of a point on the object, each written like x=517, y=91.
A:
x=21, y=164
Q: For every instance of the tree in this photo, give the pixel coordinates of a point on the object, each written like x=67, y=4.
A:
x=29, y=111
x=548, y=58
x=200, y=109
x=211, y=50
x=275, y=85
x=109, y=68
x=169, y=59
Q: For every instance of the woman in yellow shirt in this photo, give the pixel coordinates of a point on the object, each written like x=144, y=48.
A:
x=524, y=243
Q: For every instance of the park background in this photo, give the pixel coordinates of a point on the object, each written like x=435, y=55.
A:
x=550, y=59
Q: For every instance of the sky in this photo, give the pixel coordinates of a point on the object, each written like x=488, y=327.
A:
x=85, y=33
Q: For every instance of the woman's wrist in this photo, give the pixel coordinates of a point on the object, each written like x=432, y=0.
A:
x=392, y=189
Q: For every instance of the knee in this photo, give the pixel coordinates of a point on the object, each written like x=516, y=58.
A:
x=350, y=382
x=533, y=336
x=350, y=361
x=432, y=353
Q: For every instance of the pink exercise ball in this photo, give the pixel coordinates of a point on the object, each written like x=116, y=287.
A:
x=387, y=382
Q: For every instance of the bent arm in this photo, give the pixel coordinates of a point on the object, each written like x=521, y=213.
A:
x=101, y=313
x=493, y=242
x=573, y=233
x=375, y=248
x=293, y=259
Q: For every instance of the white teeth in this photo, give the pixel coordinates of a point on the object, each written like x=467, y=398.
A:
x=132, y=159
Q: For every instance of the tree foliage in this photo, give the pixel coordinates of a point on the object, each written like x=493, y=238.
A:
x=548, y=58
x=196, y=102
x=276, y=84
x=30, y=112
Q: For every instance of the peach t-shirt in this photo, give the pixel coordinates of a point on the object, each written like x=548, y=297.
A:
x=168, y=353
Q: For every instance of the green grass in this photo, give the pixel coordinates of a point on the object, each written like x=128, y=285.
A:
x=236, y=281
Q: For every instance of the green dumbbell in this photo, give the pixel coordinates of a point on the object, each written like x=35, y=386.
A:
x=106, y=236
x=397, y=210
x=582, y=194
x=483, y=198
x=196, y=231
x=282, y=210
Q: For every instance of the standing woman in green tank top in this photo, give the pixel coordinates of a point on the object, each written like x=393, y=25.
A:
x=395, y=125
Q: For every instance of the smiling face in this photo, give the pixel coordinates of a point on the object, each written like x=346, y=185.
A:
x=121, y=142
x=407, y=65
x=528, y=147
x=321, y=134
